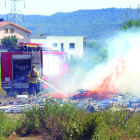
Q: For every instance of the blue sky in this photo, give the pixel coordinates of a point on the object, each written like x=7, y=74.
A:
x=49, y=7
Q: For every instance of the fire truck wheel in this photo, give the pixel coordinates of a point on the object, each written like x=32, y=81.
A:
x=11, y=93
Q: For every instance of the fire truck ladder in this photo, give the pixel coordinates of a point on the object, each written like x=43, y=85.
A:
x=36, y=60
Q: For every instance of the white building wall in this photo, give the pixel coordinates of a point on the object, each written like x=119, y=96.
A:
x=66, y=40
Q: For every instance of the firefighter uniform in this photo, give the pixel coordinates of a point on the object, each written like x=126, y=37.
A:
x=34, y=83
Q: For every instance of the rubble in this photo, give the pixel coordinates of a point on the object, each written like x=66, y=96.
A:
x=88, y=104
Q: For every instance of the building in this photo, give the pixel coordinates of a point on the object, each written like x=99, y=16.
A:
x=8, y=28
x=73, y=45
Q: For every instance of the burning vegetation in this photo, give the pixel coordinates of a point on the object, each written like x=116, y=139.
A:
x=118, y=72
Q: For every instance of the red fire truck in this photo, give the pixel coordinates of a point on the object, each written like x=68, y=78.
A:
x=16, y=64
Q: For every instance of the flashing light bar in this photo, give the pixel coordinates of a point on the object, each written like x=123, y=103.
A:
x=29, y=43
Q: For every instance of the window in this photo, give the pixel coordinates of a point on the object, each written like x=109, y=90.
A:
x=51, y=64
x=6, y=30
x=11, y=30
x=62, y=47
x=72, y=45
x=84, y=46
x=54, y=44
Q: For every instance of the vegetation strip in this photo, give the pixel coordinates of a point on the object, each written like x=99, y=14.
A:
x=70, y=122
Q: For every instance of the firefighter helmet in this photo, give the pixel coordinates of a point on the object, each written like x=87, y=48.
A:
x=33, y=66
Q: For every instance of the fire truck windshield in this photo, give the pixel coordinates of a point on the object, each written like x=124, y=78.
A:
x=50, y=64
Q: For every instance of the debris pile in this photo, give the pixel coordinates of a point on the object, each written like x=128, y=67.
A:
x=80, y=100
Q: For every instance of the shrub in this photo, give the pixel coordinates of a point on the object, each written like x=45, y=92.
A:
x=8, y=125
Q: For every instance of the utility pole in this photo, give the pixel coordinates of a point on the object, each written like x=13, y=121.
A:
x=15, y=15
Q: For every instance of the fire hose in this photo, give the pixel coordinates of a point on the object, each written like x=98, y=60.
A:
x=44, y=81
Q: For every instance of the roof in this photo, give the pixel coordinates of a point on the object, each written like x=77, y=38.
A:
x=4, y=23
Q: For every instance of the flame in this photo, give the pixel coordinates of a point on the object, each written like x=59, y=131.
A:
x=57, y=95
x=105, y=88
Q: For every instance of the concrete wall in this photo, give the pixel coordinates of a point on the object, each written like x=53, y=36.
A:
x=66, y=40
x=25, y=39
x=17, y=31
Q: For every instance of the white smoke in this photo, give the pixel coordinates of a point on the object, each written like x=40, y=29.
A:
x=130, y=80
x=124, y=46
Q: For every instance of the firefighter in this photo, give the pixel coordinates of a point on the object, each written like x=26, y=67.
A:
x=34, y=82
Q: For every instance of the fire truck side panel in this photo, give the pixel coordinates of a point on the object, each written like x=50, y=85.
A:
x=21, y=66
x=52, y=65
x=65, y=64
x=6, y=69
x=6, y=66
x=15, y=67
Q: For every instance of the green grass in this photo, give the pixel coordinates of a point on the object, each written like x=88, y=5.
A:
x=70, y=122
x=0, y=78
x=2, y=92
x=0, y=71
x=8, y=124
x=0, y=75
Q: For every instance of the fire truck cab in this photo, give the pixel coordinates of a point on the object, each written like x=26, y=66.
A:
x=15, y=65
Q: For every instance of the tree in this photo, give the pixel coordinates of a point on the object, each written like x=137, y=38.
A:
x=95, y=54
x=9, y=41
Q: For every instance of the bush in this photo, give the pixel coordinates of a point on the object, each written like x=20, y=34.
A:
x=8, y=125
x=68, y=121
x=9, y=41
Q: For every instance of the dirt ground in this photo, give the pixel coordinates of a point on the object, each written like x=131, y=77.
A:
x=31, y=137
x=5, y=99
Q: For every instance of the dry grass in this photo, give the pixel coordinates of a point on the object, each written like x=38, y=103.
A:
x=32, y=137
x=5, y=99
x=2, y=92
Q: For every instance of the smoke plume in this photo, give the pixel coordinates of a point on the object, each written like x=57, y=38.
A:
x=120, y=74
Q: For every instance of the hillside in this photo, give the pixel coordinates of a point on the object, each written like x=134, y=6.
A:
x=93, y=24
